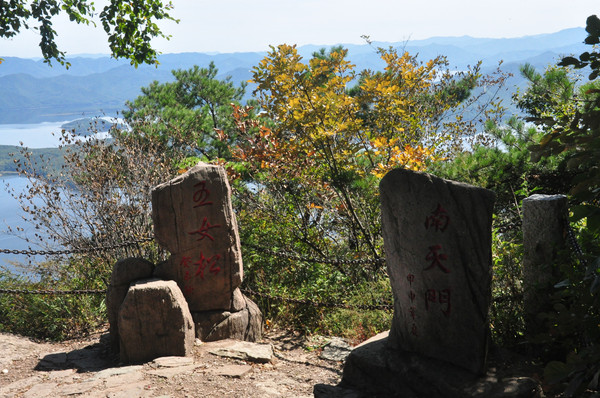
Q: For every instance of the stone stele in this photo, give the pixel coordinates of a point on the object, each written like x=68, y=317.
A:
x=154, y=321
x=194, y=220
x=437, y=237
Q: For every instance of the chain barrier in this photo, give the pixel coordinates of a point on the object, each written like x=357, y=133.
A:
x=77, y=251
x=48, y=292
x=575, y=244
x=315, y=260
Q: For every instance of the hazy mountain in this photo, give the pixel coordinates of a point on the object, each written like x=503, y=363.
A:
x=31, y=91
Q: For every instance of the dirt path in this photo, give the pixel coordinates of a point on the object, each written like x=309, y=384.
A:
x=87, y=368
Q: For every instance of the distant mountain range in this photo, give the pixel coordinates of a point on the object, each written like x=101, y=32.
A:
x=32, y=92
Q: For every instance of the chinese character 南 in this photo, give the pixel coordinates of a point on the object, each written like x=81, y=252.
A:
x=438, y=219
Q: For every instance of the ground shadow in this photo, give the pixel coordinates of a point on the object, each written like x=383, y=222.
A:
x=92, y=358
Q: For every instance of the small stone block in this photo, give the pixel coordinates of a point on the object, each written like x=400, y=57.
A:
x=172, y=362
x=253, y=352
x=234, y=371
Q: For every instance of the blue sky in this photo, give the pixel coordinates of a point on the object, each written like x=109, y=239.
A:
x=235, y=25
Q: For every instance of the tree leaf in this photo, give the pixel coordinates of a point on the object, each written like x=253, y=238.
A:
x=593, y=25
x=585, y=56
x=568, y=61
x=582, y=211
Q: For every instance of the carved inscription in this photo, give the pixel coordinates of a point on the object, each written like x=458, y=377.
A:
x=195, y=266
x=435, y=261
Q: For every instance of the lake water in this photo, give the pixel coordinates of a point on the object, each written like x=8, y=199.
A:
x=11, y=216
x=41, y=135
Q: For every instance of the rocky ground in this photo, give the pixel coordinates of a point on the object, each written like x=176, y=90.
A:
x=285, y=364
x=86, y=367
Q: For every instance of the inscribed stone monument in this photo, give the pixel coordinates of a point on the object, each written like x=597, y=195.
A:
x=437, y=236
x=194, y=220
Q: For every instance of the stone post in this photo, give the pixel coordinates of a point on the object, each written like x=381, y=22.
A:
x=544, y=223
x=437, y=236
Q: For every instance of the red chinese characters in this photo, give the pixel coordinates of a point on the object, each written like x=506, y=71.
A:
x=201, y=195
x=203, y=263
x=203, y=230
x=210, y=262
x=436, y=258
x=433, y=296
x=438, y=219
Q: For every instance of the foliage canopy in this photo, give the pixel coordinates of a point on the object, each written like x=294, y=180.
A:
x=130, y=25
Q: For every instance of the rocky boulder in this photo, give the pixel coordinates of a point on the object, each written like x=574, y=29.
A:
x=125, y=272
x=154, y=321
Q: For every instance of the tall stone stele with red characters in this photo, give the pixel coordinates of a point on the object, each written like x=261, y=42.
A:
x=194, y=220
x=437, y=236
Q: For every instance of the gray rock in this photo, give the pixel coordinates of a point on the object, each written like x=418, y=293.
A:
x=336, y=350
x=154, y=321
x=124, y=272
x=376, y=369
x=172, y=362
x=246, y=351
x=437, y=236
x=110, y=372
x=194, y=220
x=219, y=325
x=238, y=301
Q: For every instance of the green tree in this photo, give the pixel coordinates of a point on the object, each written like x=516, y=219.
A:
x=130, y=25
x=319, y=157
x=195, y=108
x=569, y=116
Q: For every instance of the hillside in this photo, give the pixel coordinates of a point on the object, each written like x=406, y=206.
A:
x=8, y=154
x=32, y=92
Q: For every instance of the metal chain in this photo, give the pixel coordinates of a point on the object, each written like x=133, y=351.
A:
x=77, y=251
x=315, y=260
x=369, y=307
x=51, y=292
x=575, y=244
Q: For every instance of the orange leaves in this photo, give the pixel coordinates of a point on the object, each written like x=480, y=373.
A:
x=259, y=147
x=319, y=129
x=390, y=155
